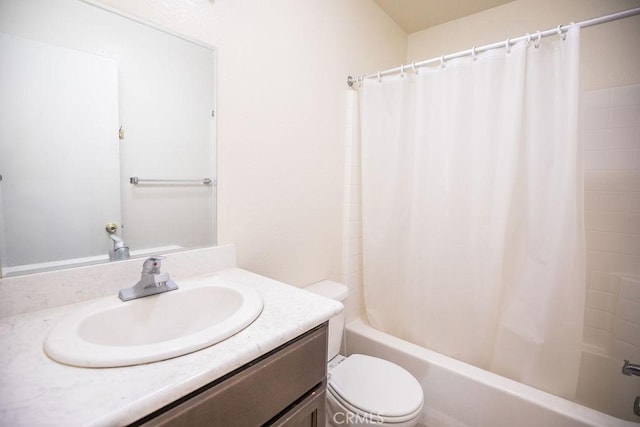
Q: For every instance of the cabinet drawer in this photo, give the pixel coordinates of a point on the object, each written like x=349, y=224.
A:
x=258, y=391
x=308, y=413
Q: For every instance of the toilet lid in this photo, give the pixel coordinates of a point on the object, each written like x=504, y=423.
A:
x=376, y=386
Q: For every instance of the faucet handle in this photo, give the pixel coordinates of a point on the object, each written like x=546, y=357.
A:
x=152, y=265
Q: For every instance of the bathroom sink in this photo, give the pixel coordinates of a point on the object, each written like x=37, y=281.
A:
x=111, y=333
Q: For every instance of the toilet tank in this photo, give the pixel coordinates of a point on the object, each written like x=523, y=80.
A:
x=338, y=292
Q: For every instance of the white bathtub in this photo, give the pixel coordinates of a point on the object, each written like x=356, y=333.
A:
x=458, y=394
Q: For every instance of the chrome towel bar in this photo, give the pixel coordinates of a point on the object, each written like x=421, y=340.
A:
x=135, y=181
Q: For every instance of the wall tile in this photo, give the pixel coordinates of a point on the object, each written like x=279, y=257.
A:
x=599, y=319
x=634, y=183
x=592, y=200
x=592, y=180
x=633, y=224
x=631, y=244
x=624, y=116
x=613, y=201
x=600, y=300
x=600, y=241
x=352, y=211
x=630, y=289
x=596, y=117
x=604, y=261
x=618, y=159
x=595, y=139
x=594, y=160
x=621, y=138
x=352, y=194
x=634, y=202
x=612, y=216
x=603, y=281
x=598, y=98
x=614, y=180
x=590, y=220
x=627, y=331
x=628, y=311
x=623, y=350
x=597, y=337
x=623, y=96
x=354, y=264
x=610, y=221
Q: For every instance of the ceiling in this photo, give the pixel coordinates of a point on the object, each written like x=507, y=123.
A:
x=416, y=15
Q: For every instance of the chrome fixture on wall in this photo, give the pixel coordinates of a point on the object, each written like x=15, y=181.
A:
x=631, y=368
x=120, y=250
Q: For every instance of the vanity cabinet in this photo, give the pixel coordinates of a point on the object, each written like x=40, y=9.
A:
x=285, y=387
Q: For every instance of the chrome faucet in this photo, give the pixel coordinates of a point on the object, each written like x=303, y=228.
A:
x=120, y=249
x=631, y=368
x=151, y=282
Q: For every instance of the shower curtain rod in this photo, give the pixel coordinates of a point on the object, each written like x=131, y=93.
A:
x=560, y=29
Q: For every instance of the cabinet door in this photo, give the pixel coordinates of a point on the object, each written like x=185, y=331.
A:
x=308, y=413
x=258, y=392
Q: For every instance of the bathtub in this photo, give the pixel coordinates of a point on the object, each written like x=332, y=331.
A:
x=458, y=394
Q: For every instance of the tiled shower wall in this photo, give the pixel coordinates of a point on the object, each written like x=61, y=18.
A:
x=352, y=234
x=611, y=140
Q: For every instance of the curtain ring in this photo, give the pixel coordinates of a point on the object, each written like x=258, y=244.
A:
x=507, y=46
x=560, y=33
x=379, y=77
x=528, y=39
x=413, y=67
x=539, y=37
x=402, y=71
x=442, y=63
x=474, y=54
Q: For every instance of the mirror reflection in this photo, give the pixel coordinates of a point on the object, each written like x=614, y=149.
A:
x=107, y=137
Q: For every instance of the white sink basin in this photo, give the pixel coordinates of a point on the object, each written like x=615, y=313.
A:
x=113, y=333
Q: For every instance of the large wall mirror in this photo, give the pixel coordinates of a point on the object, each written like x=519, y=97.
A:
x=107, y=137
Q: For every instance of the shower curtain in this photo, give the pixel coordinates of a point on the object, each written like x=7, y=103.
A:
x=473, y=241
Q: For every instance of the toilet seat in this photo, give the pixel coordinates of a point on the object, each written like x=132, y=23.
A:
x=376, y=388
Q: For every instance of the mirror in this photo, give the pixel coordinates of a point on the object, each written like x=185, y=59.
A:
x=107, y=135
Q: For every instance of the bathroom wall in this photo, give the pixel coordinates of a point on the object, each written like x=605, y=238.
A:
x=282, y=78
x=611, y=138
x=352, y=226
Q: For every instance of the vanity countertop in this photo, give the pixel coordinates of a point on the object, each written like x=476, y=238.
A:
x=35, y=390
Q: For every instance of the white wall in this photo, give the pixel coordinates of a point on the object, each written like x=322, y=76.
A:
x=611, y=138
x=282, y=82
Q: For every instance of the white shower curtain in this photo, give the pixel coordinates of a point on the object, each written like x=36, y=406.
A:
x=472, y=210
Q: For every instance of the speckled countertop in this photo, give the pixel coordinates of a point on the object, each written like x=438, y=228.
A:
x=35, y=390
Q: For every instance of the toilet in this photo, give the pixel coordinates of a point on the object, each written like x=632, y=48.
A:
x=364, y=390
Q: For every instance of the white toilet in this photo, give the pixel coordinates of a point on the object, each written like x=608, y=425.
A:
x=364, y=390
